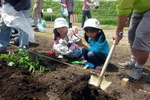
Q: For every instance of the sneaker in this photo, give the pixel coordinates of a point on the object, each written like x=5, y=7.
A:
x=99, y=67
x=135, y=74
x=36, y=29
x=60, y=56
x=127, y=65
x=33, y=25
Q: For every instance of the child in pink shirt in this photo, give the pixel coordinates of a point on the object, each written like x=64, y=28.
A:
x=62, y=45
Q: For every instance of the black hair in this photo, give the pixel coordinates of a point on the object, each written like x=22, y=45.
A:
x=56, y=33
x=99, y=31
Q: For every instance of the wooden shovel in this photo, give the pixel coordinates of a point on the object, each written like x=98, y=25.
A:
x=99, y=80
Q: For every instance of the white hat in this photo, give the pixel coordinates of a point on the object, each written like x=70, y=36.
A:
x=60, y=22
x=92, y=22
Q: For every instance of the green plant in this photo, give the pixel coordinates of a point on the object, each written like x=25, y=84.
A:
x=23, y=59
x=106, y=13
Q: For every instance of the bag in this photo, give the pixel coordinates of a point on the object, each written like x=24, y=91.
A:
x=73, y=18
x=65, y=12
x=18, y=21
x=40, y=27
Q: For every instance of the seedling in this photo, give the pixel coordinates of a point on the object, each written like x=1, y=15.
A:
x=23, y=59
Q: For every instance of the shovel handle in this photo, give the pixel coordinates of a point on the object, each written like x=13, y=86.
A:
x=108, y=59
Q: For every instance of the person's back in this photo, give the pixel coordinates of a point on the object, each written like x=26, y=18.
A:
x=85, y=6
x=137, y=6
x=19, y=4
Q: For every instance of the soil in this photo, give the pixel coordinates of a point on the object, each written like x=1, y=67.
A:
x=70, y=82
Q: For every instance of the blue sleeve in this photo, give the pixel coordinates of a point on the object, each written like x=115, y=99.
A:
x=98, y=47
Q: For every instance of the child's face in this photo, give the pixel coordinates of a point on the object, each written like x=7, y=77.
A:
x=62, y=30
x=91, y=35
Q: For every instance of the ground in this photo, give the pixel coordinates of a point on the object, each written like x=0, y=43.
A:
x=70, y=82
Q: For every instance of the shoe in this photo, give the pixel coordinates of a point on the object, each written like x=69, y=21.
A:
x=135, y=74
x=60, y=56
x=99, y=67
x=127, y=65
x=33, y=26
x=36, y=29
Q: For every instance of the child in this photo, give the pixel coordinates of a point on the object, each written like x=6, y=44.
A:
x=60, y=35
x=98, y=48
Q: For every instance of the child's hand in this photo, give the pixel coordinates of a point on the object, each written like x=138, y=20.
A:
x=81, y=43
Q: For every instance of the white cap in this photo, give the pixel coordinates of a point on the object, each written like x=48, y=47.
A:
x=92, y=22
x=60, y=22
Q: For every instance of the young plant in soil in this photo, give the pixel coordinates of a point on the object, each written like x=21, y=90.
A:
x=23, y=59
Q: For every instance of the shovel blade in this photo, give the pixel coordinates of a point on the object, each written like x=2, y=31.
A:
x=98, y=81
x=94, y=80
x=105, y=84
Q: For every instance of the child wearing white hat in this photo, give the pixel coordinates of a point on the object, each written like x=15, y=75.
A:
x=98, y=49
x=62, y=45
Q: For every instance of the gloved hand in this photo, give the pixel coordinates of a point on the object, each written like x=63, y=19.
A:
x=73, y=37
x=61, y=48
x=68, y=52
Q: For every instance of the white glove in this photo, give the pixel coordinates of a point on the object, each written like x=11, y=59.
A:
x=68, y=52
x=73, y=37
x=61, y=48
x=76, y=38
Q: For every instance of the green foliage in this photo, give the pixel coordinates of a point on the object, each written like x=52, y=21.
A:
x=106, y=13
x=23, y=59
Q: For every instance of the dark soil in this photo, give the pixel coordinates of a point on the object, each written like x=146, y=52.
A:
x=66, y=81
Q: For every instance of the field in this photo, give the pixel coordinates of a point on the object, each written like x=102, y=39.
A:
x=70, y=82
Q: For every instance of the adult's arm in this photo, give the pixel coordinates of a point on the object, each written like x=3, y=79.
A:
x=120, y=26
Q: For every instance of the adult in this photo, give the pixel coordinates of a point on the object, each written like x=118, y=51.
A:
x=138, y=34
x=69, y=4
x=37, y=12
x=86, y=11
x=5, y=31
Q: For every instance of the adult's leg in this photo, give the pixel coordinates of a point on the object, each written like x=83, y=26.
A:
x=89, y=14
x=70, y=23
x=141, y=45
x=135, y=20
x=84, y=14
x=23, y=36
x=5, y=34
x=35, y=15
x=39, y=15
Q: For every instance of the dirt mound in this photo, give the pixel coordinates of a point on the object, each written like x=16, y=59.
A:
x=18, y=83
